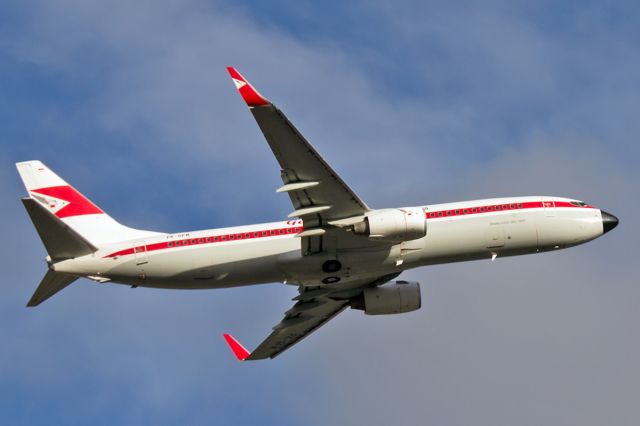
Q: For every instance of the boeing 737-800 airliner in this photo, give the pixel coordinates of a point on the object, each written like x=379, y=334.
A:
x=338, y=251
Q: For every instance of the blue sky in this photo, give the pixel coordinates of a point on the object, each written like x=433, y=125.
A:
x=413, y=103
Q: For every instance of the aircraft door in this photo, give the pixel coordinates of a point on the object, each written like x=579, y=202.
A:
x=548, y=206
x=140, y=253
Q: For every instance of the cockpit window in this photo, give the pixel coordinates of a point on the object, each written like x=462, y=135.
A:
x=578, y=203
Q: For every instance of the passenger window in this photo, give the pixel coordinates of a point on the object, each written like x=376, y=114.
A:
x=449, y=213
x=439, y=214
x=169, y=244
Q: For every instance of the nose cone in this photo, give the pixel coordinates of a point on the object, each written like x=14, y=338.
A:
x=609, y=222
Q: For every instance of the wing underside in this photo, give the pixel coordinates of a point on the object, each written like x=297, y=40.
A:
x=293, y=329
x=314, y=307
x=318, y=194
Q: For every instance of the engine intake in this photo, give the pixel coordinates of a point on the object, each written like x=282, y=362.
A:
x=393, y=225
x=395, y=298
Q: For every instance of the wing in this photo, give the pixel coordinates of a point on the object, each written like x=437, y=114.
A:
x=313, y=309
x=300, y=321
x=318, y=194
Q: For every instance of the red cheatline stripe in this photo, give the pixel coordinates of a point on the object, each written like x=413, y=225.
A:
x=78, y=204
x=492, y=208
x=213, y=239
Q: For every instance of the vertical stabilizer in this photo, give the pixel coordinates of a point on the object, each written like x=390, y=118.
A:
x=72, y=208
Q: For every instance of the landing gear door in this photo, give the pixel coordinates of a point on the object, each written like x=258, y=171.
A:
x=548, y=206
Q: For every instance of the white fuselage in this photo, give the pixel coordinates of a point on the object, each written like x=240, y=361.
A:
x=271, y=252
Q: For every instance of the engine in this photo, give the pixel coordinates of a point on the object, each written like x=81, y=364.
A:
x=393, y=225
x=395, y=298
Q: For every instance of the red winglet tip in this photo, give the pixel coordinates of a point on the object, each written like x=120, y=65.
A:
x=247, y=91
x=239, y=351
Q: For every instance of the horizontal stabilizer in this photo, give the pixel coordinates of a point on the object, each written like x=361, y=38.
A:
x=52, y=283
x=59, y=239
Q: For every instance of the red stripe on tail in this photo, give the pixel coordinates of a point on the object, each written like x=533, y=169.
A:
x=78, y=204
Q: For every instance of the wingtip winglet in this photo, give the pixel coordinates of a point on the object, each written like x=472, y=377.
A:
x=250, y=95
x=238, y=350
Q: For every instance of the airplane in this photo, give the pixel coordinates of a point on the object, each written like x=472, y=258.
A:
x=337, y=250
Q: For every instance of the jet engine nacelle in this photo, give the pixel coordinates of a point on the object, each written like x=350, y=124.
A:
x=393, y=225
x=395, y=298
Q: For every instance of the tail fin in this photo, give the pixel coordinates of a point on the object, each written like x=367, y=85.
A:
x=63, y=201
x=52, y=283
